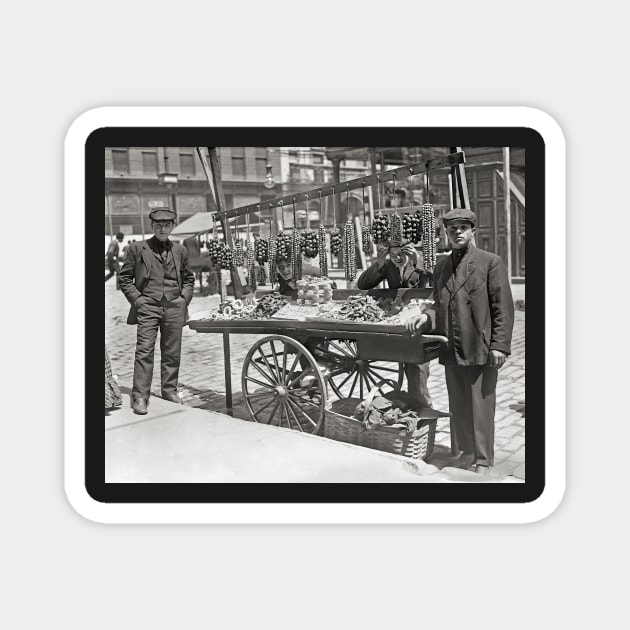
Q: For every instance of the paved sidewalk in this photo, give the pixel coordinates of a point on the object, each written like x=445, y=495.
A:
x=189, y=433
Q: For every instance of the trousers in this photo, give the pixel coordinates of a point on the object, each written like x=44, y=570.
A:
x=417, y=385
x=472, y=401
x=169, y=318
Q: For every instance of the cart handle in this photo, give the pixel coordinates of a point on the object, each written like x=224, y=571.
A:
x=441, y=338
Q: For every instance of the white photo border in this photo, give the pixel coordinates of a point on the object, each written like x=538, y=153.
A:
x=317, y=513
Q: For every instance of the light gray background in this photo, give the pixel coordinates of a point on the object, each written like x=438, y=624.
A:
x=63, y=58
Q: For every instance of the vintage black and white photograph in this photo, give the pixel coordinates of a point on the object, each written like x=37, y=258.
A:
x=314, y=314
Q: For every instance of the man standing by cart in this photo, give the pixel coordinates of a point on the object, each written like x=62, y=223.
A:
x=475, y=311
x=158, y=282
x=401, y=266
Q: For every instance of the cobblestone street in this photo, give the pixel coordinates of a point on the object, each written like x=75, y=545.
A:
x=202, y=378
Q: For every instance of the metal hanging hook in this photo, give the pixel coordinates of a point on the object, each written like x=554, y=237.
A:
x=394, y=190
x=348, y=202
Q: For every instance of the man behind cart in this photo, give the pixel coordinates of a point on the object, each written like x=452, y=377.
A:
x=473, y=308
x=402, y=267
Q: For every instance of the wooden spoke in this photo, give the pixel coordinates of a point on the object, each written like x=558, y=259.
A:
x=346, y=379
x=334, y=387
x=358, y=374
x=253, y=380
x=272, y=415
x=284, y=366
x=297, y=422
x=275, y=360
x=309, y=419
x=288, y=374
x=348, y=351
x=263, y=408
x=302, y=400
x=255, y=365
x=298, y=408
x=264, y=358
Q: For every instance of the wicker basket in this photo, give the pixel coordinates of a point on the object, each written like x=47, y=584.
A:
x=417, y=444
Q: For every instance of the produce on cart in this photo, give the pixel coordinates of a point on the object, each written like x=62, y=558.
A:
x=320, y=351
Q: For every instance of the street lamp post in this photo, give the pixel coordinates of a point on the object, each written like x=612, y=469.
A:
x=170, y=181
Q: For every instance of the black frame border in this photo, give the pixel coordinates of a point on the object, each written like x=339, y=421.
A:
x=300, y=493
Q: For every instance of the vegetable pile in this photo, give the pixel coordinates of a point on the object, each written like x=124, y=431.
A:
x=359, y=308
x=269, y=304
x=395, y=410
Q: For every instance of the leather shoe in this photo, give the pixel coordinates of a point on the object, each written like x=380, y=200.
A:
x=465, y=461
x=480, y=469
x=172, y=398
x=139, y=406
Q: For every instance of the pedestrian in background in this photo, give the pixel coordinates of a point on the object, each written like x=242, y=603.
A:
x=402, y=266
x=112, y=258
x=158, y=282
x=475, y=311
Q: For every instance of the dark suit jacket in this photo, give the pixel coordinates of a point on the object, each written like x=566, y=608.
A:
x=136, y=272
x=474, y=308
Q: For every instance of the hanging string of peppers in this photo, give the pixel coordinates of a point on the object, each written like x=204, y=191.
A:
x=380, y=225
x=349, y=243
x=296, y=249
x=321, y=244
x=335, y=235
x=428, y=232
x=366, y=233
x=250, y=260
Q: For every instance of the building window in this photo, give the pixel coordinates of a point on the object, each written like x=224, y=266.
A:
x=149, y=163
x=293, y=156
x=261, y=166
x=186, y=164
x=120, y=158
x=238, y=161
x=318, y=159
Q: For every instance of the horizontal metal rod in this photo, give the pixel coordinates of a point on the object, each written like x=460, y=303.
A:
x=445, y=161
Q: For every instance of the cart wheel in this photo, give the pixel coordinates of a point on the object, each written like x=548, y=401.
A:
x=204, y=281
x=282, y=385
x=346, y=368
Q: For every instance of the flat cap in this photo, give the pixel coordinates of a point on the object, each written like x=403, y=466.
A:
x=460, y=214
x=162, y=214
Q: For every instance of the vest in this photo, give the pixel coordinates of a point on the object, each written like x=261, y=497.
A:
x=163, y=278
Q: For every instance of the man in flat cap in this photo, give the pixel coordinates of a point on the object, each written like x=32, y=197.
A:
x=401, y=265
x=475, y=311
x=157, y=280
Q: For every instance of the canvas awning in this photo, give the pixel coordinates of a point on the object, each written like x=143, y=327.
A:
x=201, y=223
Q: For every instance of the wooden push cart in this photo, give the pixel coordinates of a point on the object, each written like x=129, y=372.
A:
x=289, y=375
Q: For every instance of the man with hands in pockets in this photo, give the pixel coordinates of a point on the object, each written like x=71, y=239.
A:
x=158, y=282
x=475, y=311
